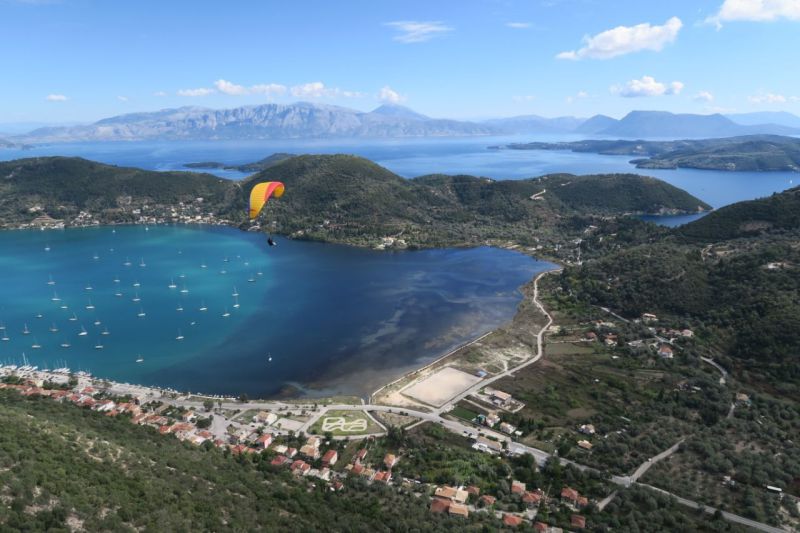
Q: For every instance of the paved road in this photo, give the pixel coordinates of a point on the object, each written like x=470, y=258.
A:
x=539, y=351
x=726, y=515
x=716, y=365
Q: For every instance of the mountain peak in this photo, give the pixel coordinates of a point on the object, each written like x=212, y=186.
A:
x=398, y=111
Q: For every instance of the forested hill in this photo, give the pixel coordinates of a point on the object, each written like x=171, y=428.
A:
x=779, y=212
x=343, y=197
x=60, y=187
x=733, y=275
x=336, y=198
x=743, y=153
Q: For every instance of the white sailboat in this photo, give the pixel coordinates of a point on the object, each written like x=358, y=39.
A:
x=172, y=284
x=95, y=256
x=141, y=263
x=127, y=262
x=141, y=313
x=223, y=271
x=83, y=332
x=5, y=338
x=203, y=306
x=90, y=305
x=116, y=280
x=136, y=298
x=118, y=294
x=235, y=293
x=269, y=357
x=98, y=345
x=96, y=322
x=225, y=260
x=36, y=344
x=137, y=284
x=55, y=297
x=88, y=287
x=65, y=344
x=47, y=248
x=74, y=317
x=236, y=302
x=105, y=331
x=140, y=359
x=203, y=265
x=2, y=326
x=184, y=290
x=180, y=336
x=26, y=331
x=50, y=281
x=53, y=328
x=226, y=314
x=179, y=308
x=64, y=306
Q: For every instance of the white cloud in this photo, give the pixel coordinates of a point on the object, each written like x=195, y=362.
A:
x=518, y=25
x=625, y=40
x=315, y=89
x=122, y=98
x=159, y=93
x=417, y=32
x=227, y=87
x=389, y=95
x=704, y=96
x=647, y=86
x=202, y=91
x=269, y=89
x=56, y=98
x=233, y=89
x=771, y=98
x=756, y=10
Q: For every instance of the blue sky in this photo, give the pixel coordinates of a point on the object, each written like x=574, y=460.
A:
x=81, y=60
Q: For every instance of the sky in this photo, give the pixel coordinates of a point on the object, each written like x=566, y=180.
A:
x=82, y=60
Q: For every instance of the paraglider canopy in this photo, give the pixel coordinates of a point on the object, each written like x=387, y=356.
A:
x=261, y=193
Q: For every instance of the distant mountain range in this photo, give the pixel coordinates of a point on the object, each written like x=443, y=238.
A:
x=313, y=121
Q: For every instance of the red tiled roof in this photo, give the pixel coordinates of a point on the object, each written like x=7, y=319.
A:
x=540, y=526
x=279, y=460
x=439, y=505
x=475, y=491
x=531, y=497
x=511, y=520
x=577, y=521
x=488, y=499
x=569, y=494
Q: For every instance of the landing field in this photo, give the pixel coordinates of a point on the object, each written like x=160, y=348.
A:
x=440, y=387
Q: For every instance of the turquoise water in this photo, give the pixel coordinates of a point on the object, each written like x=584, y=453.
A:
x=333, y=319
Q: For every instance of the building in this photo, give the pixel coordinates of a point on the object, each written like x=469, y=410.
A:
x=279, y=460
x=487, y=445
x=451, y=493
x=505, y=427
x=488, y=500
x=360, y=455
x=300, y=467
x=570, y=495
x=264, y=440
x=577, y=521
x=587, y=429
x=330, y=458
x=512, y=520
x=384, y=476
x=590, y=336
x=439, y=505
x=649, y=317
x=665, y=351
x=458, y=509
x=585, y=444
x=517, y=487
x=311, y=448
x=492, y=419
x=531, y=499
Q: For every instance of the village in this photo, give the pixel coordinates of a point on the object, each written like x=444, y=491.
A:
x=126, y=212
x=315, y=458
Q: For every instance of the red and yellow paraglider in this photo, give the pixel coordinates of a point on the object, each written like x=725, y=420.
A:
x=259, y=196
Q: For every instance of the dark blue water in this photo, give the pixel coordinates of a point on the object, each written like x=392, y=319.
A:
x=334, y=319
x=416, y=157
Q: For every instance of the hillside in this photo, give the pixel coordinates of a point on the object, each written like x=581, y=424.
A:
x=661, y=124
x=746, y=153
x=255, y=166
x=335, y=198
x=90, y=472
x=61, y=187
x=346, y=198
x=776, y=213
x=733, y=272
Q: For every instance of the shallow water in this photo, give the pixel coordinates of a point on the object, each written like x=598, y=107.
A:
x=334, y=319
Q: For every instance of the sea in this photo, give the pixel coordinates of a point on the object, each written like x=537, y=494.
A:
x=312, y=319
x=215, y=310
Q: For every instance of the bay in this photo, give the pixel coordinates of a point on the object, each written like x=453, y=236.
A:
x=333, y=319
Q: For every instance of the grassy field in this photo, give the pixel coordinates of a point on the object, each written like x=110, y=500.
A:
x=464, y=413
x=345, y=423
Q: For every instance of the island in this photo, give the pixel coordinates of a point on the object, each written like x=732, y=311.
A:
x=744, y=153
x=256, y=166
